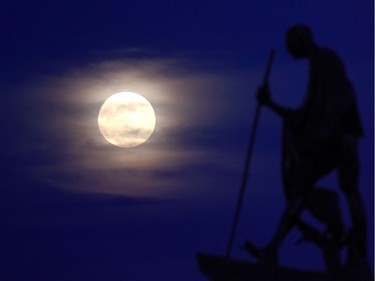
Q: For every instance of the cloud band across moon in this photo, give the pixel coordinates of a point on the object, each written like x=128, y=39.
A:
x=126, y=119
x=188, y=103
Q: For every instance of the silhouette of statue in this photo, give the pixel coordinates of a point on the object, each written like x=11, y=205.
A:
x=318, y=137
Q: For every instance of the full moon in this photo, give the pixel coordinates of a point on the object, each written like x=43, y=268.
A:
x=126, y=119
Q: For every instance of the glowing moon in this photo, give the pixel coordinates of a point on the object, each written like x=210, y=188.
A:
x=126, y=119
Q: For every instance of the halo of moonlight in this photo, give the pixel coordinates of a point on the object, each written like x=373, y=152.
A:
x=126, y=119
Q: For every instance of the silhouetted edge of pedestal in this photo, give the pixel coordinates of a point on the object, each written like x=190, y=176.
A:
x=218, y=268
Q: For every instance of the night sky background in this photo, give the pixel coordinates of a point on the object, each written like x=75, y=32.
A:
x=74, y=207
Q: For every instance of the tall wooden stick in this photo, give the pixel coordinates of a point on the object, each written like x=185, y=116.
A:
x=248, y=161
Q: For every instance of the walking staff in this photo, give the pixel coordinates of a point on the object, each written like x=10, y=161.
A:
x=248, y=160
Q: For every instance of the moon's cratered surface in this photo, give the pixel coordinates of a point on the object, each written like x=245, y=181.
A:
x=126, y=119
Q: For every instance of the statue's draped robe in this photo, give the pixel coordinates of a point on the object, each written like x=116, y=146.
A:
x=312, y=134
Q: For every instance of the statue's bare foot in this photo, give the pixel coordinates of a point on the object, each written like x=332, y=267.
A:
x=266, y=257
x=251, y=249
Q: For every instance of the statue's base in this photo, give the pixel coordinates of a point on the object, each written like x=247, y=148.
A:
x=218, y=268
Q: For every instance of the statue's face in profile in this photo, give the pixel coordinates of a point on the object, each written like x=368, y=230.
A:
x=296, y=48
x=298, y=41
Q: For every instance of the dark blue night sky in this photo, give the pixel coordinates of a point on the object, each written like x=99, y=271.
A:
x=74, y=207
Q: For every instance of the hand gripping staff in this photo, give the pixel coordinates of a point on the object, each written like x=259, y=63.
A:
x=248, y=161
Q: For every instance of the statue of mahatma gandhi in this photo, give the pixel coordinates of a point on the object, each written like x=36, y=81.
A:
x=319, y=137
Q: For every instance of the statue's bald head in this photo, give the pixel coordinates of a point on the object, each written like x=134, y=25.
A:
x=299, y=40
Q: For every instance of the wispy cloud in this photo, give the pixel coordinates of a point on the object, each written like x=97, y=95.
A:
x=196, y=109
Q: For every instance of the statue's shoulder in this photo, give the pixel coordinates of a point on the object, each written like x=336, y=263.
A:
x=329, y=57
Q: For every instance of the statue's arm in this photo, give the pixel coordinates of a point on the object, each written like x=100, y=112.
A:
x=283, y=111
x=264, y=97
